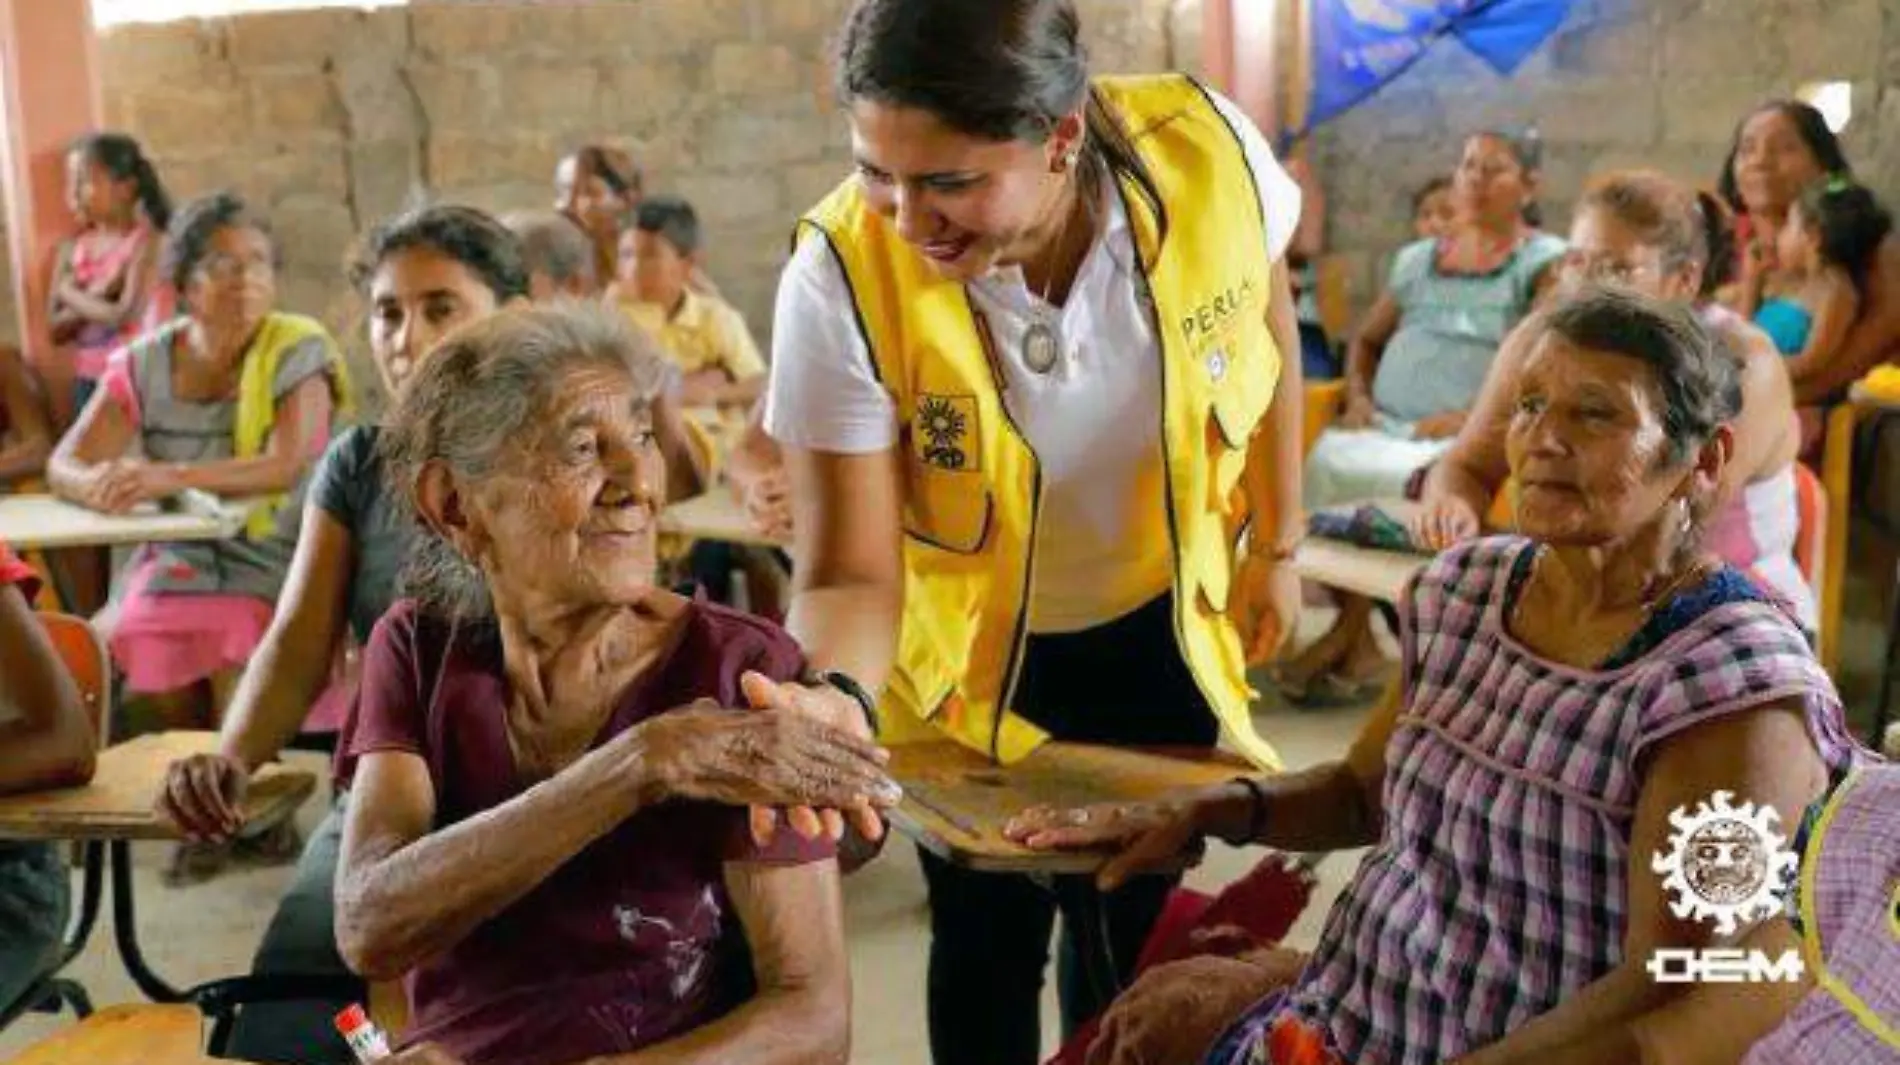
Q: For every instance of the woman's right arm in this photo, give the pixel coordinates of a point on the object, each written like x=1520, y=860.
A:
x=202, y=794
x=1362, y=359
x=848, y=583
x=1459, y=486
x=79, y=468
x=837, y=428
x=43, y=727
x=405, y=892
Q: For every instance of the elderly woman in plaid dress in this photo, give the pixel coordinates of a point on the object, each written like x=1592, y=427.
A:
x=1561, y=693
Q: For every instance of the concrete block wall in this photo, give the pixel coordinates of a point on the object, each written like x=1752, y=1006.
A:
x=332, y=118
x=1657, y=83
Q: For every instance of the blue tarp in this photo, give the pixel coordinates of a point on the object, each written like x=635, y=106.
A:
x=1359, y=45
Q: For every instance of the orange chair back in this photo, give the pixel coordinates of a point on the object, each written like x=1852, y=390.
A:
x=1810, y=539
x=84, y=655
x=1324, y=400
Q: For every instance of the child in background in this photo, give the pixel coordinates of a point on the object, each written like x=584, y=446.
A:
x=1433, y=211
x=705, y=336
x=1811, y=297
x=104, y=276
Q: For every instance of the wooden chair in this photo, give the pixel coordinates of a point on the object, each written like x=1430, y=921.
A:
x=124, y=1035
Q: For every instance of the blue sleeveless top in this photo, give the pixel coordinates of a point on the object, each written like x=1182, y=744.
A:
x=1786, y=322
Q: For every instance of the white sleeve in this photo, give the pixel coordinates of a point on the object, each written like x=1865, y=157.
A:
x=823, y=394
x=1279, y=193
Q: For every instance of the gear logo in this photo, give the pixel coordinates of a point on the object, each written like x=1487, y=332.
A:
x=1725, y=863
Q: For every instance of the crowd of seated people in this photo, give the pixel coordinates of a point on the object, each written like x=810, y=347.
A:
x=557, y=778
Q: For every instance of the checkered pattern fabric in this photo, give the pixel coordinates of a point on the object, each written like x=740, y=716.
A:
x=1498, y=888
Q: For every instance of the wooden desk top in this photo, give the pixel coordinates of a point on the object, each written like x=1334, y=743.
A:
x=1365, y=571
x=44, y=521
x=956, y=801
x=126, y=1035
x=118, y=804
x=713, y=516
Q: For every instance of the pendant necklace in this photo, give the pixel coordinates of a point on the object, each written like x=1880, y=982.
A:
x=1040, y=347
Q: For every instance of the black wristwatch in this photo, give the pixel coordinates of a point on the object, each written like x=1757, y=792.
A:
x=844, y=683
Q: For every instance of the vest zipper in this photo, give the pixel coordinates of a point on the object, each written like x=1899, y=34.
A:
x=1012, y=669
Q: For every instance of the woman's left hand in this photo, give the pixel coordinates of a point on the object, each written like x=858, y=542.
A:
x=129, y=482
x=1264, y=605
x=831, y=707
x=1175, y=1012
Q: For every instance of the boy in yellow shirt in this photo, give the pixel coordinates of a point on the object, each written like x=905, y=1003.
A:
x=704, y=335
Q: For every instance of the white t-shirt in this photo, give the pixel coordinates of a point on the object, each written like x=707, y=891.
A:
x=1094, y=421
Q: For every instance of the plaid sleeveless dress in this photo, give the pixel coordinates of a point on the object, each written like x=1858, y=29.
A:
x=1498, y=886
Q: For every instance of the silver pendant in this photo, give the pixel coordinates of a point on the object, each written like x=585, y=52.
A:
x=1040, y=348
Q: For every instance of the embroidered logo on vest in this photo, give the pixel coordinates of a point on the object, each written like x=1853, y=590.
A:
x=940, y=431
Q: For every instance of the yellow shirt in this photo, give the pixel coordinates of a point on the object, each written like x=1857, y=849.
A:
x=706, y=334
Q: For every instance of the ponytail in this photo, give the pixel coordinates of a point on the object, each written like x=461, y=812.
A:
x=152, y=195
x=1718, y=232
x=1110, y=155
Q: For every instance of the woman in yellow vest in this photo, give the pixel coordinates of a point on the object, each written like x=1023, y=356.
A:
x=1028, y=380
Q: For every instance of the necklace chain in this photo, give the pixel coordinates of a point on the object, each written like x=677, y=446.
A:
x=1649, y=602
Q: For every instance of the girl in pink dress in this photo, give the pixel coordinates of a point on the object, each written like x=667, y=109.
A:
x=104, y=290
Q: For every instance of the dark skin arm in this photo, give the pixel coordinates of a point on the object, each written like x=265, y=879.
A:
x=756, y=476
x=87, y=465
x=686, y=476
x=1874, y=339
x=794, y=926
x=29, y=437
x=1362, y=359
x=203, y=794
x=43, y=727
x=1763, y=755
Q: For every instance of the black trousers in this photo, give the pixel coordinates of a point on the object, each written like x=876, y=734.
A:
x=1123, y=683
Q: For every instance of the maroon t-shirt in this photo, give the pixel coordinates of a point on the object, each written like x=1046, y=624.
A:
x=634, y=940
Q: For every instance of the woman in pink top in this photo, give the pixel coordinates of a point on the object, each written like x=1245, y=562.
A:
x=544, y=832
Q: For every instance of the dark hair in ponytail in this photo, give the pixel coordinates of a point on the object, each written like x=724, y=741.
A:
x=120, y=155
x=1718, y=231
x=1685, y=226
x=997, y=69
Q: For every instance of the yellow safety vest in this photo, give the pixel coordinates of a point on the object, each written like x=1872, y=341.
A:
x=972, y=485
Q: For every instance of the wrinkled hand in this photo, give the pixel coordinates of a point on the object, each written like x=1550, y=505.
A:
x=1445, y=521
x=768, y=504
x=1151, y=837
x=1174, y=1012
x=1358, y=412
x=204, y=796
x=794, y=758
x=828, y=706
x=1441, y=426
x=1264, y=605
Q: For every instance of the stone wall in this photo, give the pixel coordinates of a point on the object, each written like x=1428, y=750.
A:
x=333, y=118
x=1625, y=82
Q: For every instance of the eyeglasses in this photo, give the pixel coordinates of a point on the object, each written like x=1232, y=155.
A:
x=221, y=267
x=1605, y=268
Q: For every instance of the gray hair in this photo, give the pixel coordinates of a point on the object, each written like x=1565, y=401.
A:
x=470, y=405
x=554, y=246
x=1697, y=375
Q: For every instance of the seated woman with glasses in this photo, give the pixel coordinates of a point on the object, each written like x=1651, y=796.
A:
x=233, y=398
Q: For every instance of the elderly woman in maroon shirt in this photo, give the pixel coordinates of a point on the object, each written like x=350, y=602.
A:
x=547, y=832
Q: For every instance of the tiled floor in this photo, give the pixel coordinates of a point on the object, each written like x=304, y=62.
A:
x=211, y=930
